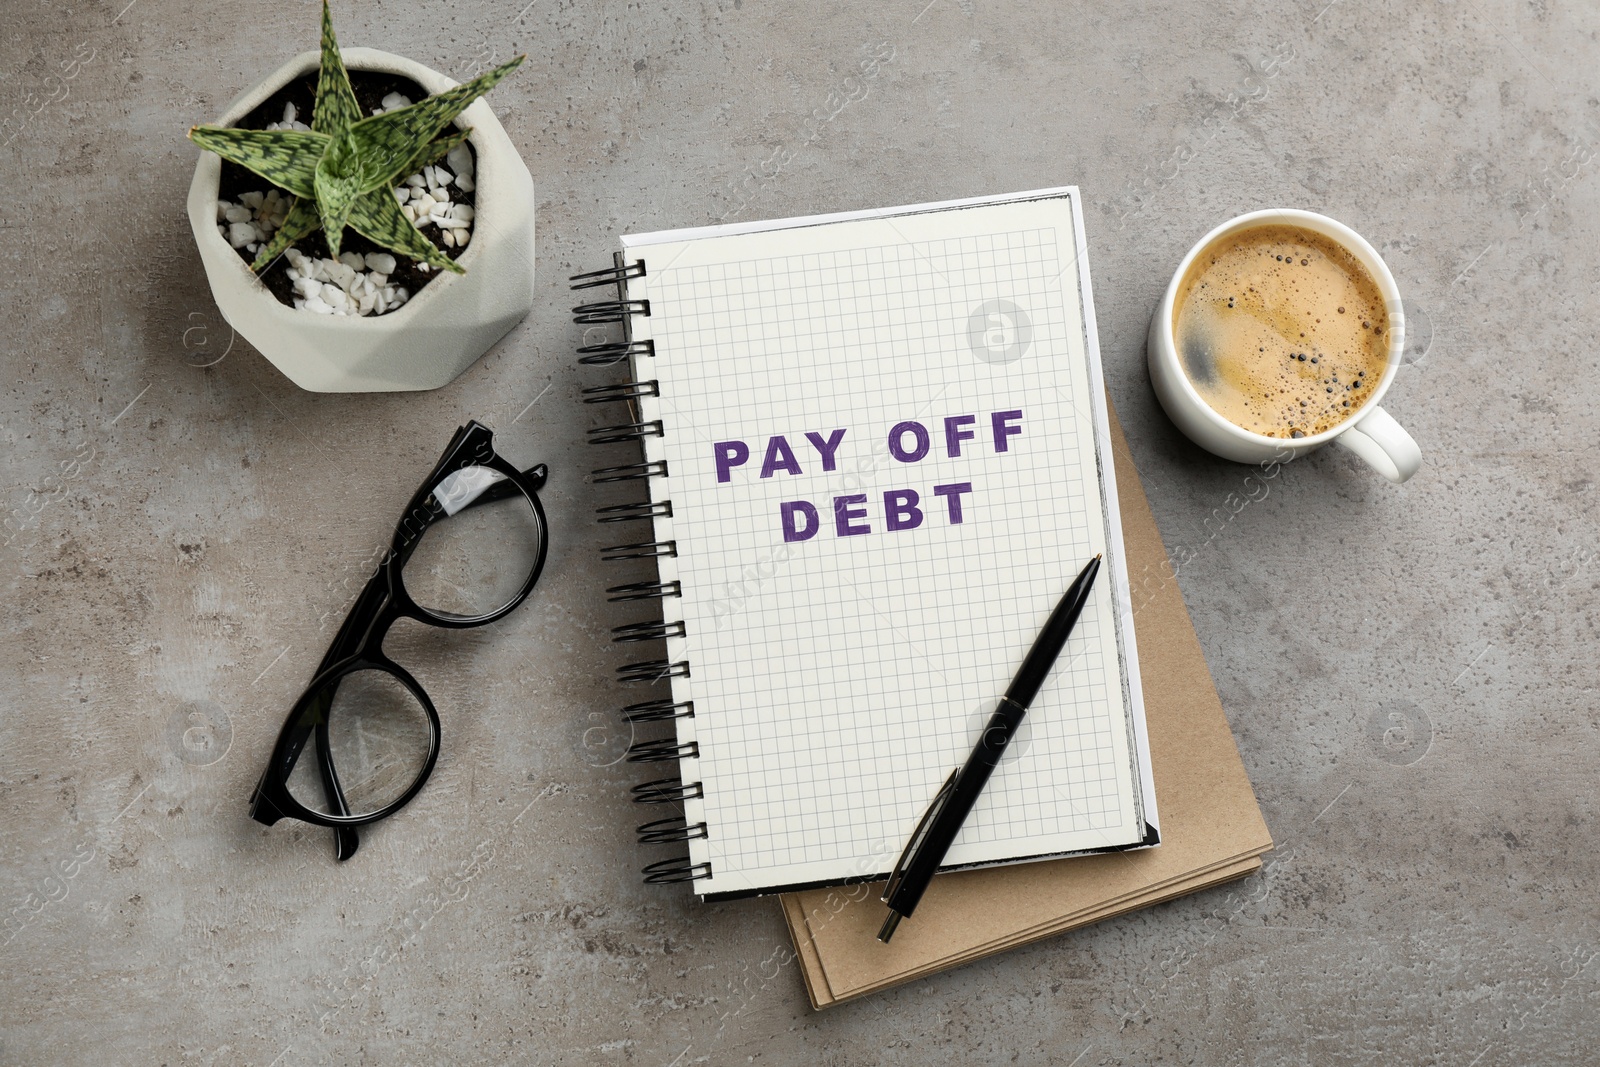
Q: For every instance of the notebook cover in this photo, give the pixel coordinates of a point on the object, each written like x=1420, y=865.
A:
x=821, y=996
x=1211, y=831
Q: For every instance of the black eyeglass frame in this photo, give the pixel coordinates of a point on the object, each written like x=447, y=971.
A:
x=358, y=645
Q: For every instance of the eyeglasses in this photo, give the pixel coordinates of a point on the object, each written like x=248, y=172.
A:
x=467, y=551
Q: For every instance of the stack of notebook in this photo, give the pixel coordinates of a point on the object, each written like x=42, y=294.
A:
x=877, y=449
x=1212, y=830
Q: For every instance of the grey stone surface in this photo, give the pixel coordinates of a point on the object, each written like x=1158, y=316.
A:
x=1410, y=671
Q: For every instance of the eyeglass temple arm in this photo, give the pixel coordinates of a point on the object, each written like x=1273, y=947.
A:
x=345, y=838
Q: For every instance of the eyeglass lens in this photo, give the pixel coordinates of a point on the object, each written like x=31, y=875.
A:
x=378, y=740
x=477, y=558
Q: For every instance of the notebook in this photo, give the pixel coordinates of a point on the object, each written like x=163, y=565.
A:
x=877, y=452
x=1212, y=829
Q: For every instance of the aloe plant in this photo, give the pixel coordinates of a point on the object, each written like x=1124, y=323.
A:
x=343, y=171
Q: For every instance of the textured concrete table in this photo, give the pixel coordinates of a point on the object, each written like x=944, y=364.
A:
x=1410, y=671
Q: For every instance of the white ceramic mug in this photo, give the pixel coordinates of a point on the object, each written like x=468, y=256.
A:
x=1370, y=433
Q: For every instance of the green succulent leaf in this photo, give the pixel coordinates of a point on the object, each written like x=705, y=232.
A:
x=377, y=217
x=336, y=109
x=388, y=142
x=431, y=152
x=301, y=220
x=286, y=158
x=338, y=183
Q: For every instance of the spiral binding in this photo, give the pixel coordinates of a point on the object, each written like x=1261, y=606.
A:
x=654, y=670
x=662, y=749
x=630, y=472
x=606, y=394
x=641, y=550
x=645, y=591
x=613, y=275
x=621, y=312
x=658, y=711
x=614, y=352
x=672, y=828
x=609, y=311
x=659, y=509
x=648, y=631
x=667, y=791
x=628, y=431
x=677, y=869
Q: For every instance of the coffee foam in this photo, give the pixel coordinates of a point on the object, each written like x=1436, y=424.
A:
x=1281, y=330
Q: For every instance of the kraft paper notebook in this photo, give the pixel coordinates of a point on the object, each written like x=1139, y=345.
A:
x=877, y=451
x=1212, y=830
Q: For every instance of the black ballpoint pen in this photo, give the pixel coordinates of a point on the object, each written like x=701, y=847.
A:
x=944, y=817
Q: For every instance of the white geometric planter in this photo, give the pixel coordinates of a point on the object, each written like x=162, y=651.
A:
x=445, y=326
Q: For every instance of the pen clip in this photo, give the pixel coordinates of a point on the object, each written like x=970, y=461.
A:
x=917, y=835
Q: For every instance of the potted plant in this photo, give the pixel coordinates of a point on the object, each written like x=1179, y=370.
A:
x=425, y=210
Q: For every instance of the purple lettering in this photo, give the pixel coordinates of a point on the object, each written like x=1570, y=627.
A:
x=953, y=494
x=779, y=458
x=827, y=449
x=916, y=430
x=792, y=530
x=954, y=434
x=1003, y=429
x=729, y=455
x=843, y=513
x=900, y=509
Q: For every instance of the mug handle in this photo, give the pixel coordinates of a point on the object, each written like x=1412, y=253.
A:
x=1384, y=444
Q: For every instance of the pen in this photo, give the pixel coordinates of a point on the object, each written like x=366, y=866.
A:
x=942, y=821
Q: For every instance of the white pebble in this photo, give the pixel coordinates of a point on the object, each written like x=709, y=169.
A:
x=238, y=214
x=307, y=286
x=460, y=160
x=382, y=262
x=334, y=297
x=353, y=260
x=440, y=196
x=394, y=100
x=241, y=234
x=426, y=204
x=223, y=207
x=449, y=238
x=462, y=237
x=463, y=212
x=423, y=268
x=401, y=295
x=416, y=181
x=315, y=304
x=368, y=302
x=409, y=211
x=252, y=200
x=402, y=193
x=465, y=183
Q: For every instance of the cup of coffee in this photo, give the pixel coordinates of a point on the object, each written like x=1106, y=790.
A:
x=1281, y=331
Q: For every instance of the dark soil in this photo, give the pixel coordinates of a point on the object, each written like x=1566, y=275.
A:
x=370, y=90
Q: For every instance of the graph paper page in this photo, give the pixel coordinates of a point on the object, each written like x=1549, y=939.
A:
x=884, y=441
